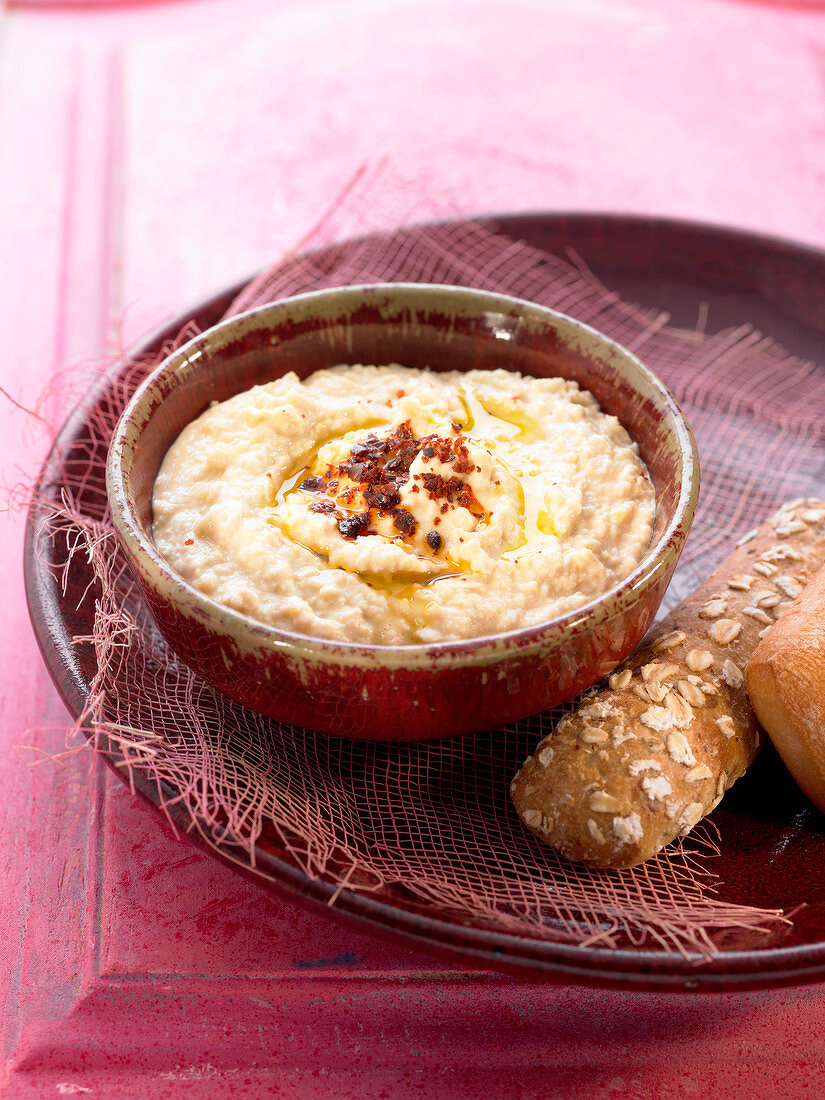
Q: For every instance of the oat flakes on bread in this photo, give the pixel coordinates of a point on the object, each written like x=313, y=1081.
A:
x=653, y=751
x=785, y=678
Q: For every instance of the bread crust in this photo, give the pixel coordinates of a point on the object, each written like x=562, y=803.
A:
x=652, y=751
x=785, y=678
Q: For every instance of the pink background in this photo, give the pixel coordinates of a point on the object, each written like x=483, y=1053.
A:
x=152, y=153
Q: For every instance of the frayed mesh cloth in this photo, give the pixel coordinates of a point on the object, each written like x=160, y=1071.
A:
x=430, y=825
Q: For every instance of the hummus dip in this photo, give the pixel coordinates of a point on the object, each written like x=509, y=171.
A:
x=384, y=505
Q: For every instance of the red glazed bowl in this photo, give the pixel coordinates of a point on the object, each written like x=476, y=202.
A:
x=411, y=691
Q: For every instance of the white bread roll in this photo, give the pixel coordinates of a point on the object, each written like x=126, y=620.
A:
x=785, y=678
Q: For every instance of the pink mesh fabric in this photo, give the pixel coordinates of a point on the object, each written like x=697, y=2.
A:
x=430, y=824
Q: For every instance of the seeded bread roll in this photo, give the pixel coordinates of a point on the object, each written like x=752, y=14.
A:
x=647, y=756
x=785, y=678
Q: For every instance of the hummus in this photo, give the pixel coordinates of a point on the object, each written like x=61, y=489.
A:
x=385, y=505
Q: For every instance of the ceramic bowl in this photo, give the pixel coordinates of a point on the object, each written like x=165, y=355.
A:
x=411, y=691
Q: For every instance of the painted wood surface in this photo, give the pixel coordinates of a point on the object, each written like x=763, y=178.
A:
x=151, y=153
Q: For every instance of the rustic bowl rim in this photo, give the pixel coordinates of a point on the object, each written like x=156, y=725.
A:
x=484, y=649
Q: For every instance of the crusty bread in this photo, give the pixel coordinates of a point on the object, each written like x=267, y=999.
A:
x=785, y=679
x=648, y=755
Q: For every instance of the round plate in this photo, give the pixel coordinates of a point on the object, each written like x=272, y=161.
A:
x=772, y=859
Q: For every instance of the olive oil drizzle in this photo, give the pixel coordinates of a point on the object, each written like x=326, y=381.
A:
x=492, y=421
x=484, y=416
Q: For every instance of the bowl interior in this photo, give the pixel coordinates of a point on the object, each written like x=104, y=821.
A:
x=441, y=328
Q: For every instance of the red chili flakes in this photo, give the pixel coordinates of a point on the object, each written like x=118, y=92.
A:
x=462, y=464
x=189, y=542
x=383, y=497
x=466, y=498
x=454, y=491
x=377, y=467
x=404, y=521
x=436, y=446
x=313, y=485
x=434, y=541
x=353, y=526
x=435, y=485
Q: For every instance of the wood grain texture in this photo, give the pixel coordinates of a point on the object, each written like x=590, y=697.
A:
x=153, y=153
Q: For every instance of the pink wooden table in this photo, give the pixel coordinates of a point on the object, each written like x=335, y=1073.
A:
x=152, y=153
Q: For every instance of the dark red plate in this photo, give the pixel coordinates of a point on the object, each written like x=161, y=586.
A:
x=773, y=841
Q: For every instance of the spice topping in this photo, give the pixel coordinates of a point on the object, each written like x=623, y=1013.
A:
x=366, y=485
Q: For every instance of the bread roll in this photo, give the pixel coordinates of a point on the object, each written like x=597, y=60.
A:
x=785, y=679
x=650, y=753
